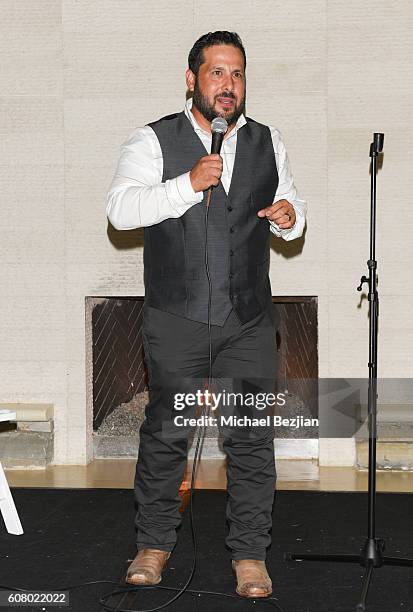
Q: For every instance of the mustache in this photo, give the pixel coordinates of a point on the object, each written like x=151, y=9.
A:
x=226, y=94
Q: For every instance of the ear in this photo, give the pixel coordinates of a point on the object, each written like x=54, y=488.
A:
x=190, y=79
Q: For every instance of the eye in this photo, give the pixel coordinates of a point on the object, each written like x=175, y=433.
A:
x=238, y=75
x=217, y=72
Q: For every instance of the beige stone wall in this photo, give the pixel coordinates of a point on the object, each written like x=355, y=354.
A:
x=77, y=77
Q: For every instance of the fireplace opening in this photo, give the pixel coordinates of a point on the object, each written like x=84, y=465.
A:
x=117, y=377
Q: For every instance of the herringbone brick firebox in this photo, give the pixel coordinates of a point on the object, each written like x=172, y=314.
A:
x=118, y=368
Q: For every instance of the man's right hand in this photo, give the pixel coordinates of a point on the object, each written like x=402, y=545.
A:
x=206, y=172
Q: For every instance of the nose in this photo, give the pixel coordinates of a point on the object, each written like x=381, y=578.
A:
x=228, y=83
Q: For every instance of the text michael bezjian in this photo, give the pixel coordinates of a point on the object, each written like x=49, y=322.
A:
x=244, y=421
x=258, y=401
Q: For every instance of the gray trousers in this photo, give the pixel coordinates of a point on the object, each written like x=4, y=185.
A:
x=177, y=358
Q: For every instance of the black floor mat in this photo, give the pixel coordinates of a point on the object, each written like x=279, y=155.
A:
x=79, y=535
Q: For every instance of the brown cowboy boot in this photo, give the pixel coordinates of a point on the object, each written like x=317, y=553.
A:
x=147, y=566
x=252, y=578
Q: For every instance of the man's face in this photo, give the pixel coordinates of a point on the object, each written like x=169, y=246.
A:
x=219, y=88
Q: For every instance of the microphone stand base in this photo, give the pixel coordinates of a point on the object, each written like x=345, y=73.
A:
x=370, y=557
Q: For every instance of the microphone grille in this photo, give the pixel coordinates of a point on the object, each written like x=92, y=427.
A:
x=219, y=124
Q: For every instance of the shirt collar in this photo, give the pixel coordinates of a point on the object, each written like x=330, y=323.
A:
x=188, y=112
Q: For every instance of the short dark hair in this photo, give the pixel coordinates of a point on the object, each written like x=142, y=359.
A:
x=196, y=56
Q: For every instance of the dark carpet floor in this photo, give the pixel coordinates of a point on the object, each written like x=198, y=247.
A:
x=79, y=535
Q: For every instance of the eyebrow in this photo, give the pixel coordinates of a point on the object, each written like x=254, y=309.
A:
x=222, y=68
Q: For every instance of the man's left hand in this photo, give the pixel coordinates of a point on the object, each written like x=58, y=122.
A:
x=282, y=213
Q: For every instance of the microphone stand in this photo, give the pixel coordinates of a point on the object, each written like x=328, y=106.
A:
x=371, y=555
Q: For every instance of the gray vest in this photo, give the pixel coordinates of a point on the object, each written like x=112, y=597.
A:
x=238, y=240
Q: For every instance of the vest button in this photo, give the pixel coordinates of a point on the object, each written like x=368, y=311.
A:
x=231, y=252
x=231, y=275
x=231, y=230
x=229, y=208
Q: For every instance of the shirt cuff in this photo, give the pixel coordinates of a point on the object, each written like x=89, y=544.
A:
x=290, y=233
x=281, y=232
x=180, y=192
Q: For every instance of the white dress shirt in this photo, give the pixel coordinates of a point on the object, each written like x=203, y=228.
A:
x=138, y=198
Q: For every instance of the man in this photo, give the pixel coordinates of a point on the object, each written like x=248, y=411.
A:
x=162, y=181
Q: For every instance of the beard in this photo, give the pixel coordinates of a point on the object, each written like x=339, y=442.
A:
x=202, y=103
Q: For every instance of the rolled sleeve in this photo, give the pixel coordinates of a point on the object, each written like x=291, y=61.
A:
x=286, y=190
x=181, y=194
x=137, y=197
x=292, y=232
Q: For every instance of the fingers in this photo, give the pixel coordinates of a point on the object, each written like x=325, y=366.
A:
x=282, y=213
x=285, y=223
x=214, y=164
x=206, y=172
x=274, y=212
x=212, y=160
x=274, y=209
x=281, y=216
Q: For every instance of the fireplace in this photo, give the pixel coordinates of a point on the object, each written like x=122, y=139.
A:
x=117, y=378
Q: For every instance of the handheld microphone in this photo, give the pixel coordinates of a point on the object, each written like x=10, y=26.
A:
x=219, y=127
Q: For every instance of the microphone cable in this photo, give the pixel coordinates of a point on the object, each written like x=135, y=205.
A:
x=127, y=589
x=197, y=455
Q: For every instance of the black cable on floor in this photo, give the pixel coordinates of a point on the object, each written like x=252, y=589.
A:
x=205, y=412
